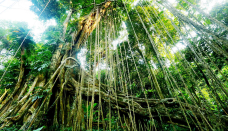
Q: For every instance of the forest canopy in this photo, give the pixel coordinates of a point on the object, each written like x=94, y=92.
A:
x=116, y=65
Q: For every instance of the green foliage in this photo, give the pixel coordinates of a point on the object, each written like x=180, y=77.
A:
x=36, y=57
x=13, y=35
x=12, y=128
x=40, y=60
x=85, y=109
x=220, y=12
x=12, y=73
x=53, y=9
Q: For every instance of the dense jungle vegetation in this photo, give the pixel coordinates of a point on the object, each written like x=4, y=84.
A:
x=116, y=65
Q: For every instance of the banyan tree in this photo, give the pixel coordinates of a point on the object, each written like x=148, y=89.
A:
x=117, y=65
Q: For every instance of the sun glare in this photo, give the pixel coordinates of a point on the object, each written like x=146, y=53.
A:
x=19, y=10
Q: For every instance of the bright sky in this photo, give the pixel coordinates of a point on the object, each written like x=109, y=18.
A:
x=18, y=10
x=207, y=5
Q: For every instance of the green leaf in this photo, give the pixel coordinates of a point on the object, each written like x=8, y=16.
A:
x=39, y=129
x=208, y=21
x=160, y=13
x=94, y=104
